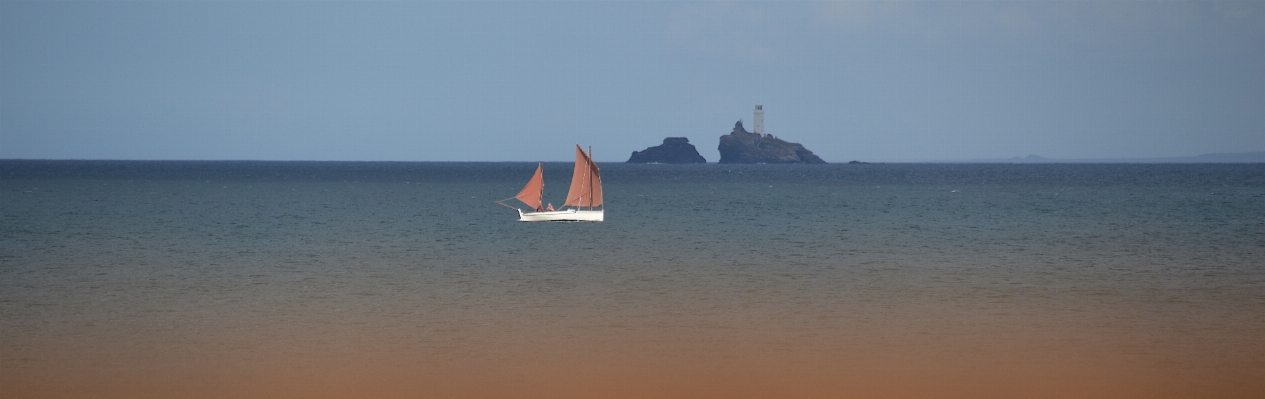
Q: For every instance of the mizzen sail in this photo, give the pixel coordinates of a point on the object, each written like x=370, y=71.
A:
x=586, y=182
x=534, y=189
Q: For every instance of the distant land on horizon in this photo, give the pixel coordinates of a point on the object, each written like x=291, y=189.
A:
x=1235, y=157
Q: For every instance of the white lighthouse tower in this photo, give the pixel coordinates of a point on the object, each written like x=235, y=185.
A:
x=759, y=119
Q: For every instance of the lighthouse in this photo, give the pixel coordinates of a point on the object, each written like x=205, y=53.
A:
x=759, y=119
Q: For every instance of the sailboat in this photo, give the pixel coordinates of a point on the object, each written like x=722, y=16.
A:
x=584, y=199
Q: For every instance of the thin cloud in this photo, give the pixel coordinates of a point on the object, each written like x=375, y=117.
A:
x=1011, y=17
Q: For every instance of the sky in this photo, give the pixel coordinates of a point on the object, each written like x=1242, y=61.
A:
x=525, y=80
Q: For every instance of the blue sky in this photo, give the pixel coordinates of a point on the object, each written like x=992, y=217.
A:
x=523, y=81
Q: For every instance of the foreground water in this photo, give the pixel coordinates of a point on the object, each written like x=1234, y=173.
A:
x=258, y=279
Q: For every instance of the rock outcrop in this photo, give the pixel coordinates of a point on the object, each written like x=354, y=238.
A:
x=742, y=146
x=673, y=150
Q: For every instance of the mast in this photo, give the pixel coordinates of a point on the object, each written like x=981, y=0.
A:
x=595, y=182
x=590, y=173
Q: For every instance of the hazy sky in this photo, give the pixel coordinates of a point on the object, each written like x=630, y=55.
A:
x=524, y=81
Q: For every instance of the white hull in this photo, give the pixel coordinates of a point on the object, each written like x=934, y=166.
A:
x=566, y=215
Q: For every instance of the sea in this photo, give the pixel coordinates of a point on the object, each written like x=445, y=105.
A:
x=227, y=279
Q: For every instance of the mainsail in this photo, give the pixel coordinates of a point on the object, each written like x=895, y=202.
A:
x=534, y=189
x=586, y=183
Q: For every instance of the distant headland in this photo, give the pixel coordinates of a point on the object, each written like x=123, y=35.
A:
x=1237, y=157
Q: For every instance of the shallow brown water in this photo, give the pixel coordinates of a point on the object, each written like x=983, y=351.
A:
x=728, y=289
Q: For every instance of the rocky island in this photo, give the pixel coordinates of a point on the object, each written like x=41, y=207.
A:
x=673, y=150
x=741, y=146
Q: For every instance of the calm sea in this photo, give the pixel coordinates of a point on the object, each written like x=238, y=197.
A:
x=345, y=279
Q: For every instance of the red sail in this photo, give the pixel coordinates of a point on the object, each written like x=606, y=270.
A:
x=534, y=189
x=586, y=182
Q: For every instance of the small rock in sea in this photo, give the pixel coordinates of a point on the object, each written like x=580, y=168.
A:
x=673, y=150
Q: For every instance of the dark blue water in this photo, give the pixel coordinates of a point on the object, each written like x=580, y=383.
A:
x=140, y=264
